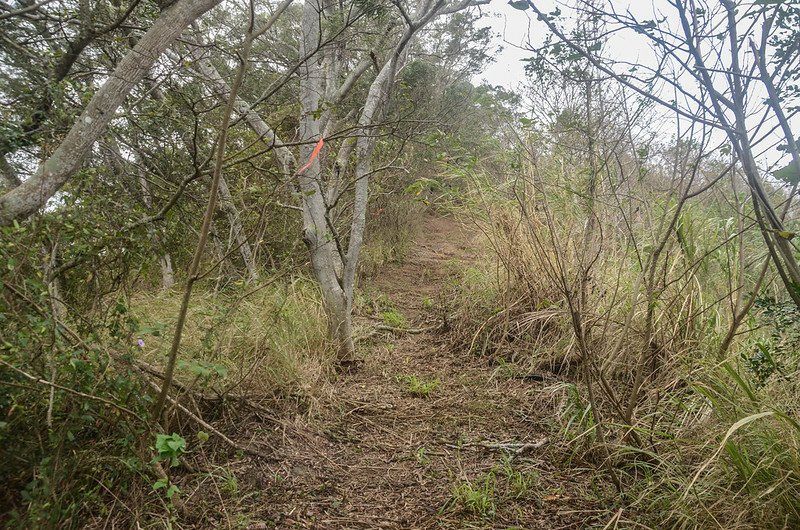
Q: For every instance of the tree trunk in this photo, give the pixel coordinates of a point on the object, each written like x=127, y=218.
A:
x=365, y=146
x=227, y=205
x=8, y=177
x=164, y=259
x=316, y=232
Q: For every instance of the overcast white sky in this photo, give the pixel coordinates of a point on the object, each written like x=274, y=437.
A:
x=512, y=26
x=518, y=29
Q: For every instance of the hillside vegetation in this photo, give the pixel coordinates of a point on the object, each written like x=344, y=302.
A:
x=291, y=265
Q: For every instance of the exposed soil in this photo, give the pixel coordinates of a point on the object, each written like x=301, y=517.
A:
x=376, y=455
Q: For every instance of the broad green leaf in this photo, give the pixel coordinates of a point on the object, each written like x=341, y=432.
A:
x=787, y=174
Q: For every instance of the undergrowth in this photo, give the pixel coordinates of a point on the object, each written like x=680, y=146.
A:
x=270, y=343
x=418, y=386
x=74, y=457
x=714, y=439
x=483, y=495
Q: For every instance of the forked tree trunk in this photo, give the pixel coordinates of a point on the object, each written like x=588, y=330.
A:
x=338, y=283
x=316, y=232
x=334, y=272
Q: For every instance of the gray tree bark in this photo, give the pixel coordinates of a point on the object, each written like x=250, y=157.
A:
x=320, y=77
x=316, y=232
x=240, y=238
x=164, y=259
x=338, y=282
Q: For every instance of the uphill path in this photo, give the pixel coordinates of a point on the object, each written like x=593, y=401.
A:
x=414, y=439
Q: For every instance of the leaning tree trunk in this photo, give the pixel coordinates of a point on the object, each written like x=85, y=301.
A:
x=54, y=172
x=364, y=148
x=227, y=205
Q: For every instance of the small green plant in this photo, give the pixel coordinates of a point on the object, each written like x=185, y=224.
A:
x=417, y=386
x=506, y=370
x=394, y=318
x=230, y=483
x=503, y=483
x=762, y=363
x=204, y=370
x=518, y=484
x=777, y=352
x=169, y=488
x=476, y=497
x=578, y=416
x=421, y=456
x=170, y=447
x=427, y=302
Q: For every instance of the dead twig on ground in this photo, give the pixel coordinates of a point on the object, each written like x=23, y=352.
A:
x=205, y=425
x=513, y=447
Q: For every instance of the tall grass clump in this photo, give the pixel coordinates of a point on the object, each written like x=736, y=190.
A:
x=265, y=341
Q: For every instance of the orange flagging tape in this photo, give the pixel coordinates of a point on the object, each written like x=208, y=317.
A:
x=313, y=155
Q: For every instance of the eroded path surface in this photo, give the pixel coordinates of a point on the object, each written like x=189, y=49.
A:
x=384, y=456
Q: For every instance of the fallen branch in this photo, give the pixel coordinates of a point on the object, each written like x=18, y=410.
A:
x=410, y=331
x=218, y=397
x=516, y=448
x=205, y=425
x=382, y=328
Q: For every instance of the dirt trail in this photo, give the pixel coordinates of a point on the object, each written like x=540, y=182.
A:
x=386, y=458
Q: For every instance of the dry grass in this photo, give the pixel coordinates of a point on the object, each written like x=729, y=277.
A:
x=268, y=343
x=703, y=455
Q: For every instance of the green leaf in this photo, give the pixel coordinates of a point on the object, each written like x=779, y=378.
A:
x=199, y=369
x=522, y=5
x=787, y=174
x=202, y=436
x=159, y=484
